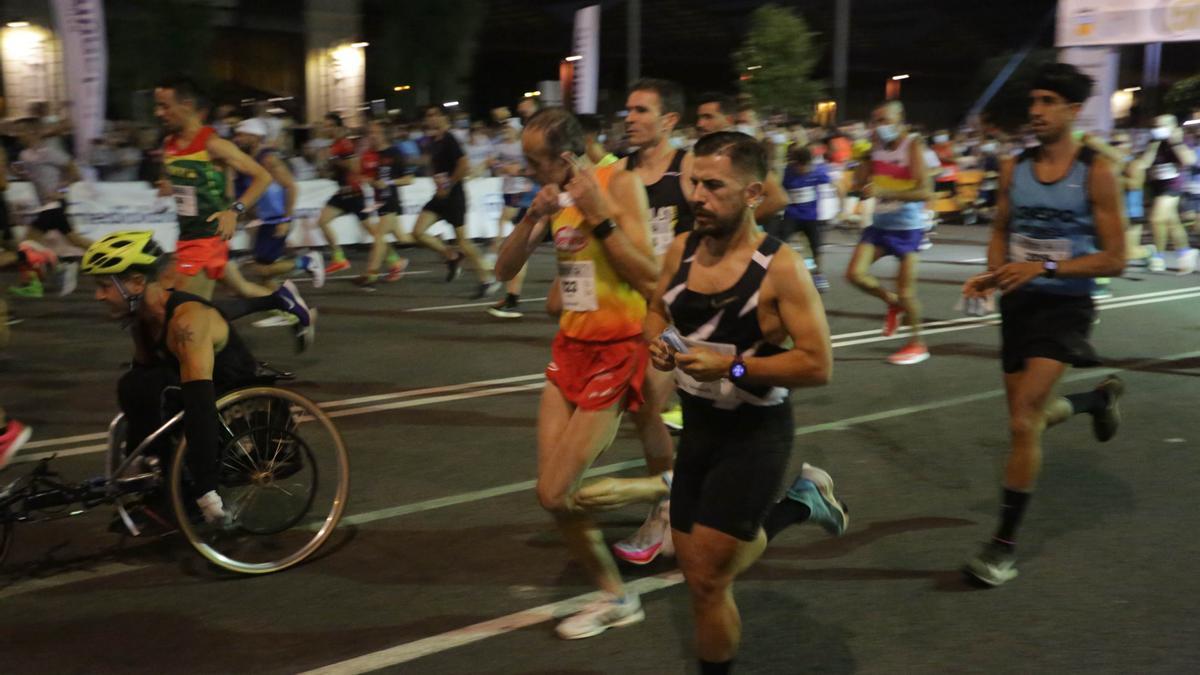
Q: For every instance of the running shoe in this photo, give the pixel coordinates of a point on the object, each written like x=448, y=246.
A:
x=1157, y=264
x=1151, y=251
x=337, y=265
x=32, y=289
x=314, y=264
x=1102, y=289
x=821, y=283
x=994, y=565
x=597, y=617
x=366, y=281
x=909, y=355
x=651, y=539
x=1106, y=422
x=454, y=267
x=1185, y=262
x=38, y=255
x=485, y=289
x=892, y=321
x=277, y=318
x=306, y=326
x=673, y=418
x=506, y=309
x=68, y=278
x=15, y=435
x=814, y=489
x=397, y=269
x=926, y=243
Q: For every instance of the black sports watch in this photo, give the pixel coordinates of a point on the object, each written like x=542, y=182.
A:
x=1050, y=269
x=738, y=370
x=604, y=229
x=238, y=207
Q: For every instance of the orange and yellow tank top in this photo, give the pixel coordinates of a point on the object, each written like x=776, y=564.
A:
x=598, y=305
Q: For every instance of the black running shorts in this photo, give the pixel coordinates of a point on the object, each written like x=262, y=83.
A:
x=452, y=208
x=349, y=204
x=1048, y=326
x=730, y=467
x=52, y=220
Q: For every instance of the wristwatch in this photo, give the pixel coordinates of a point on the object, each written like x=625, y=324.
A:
x=738, y=370
x=238, y=207
x=1050, y=269
x=604, y=229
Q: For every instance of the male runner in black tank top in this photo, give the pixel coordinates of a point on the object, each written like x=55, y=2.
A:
x=179, y=340
x=770, y=336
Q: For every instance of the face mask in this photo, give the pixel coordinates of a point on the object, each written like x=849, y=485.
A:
x=988, y=148
x=602, y=138
x=887, y=132
x=1160, y=133
x=941, y=138
x=746, y=129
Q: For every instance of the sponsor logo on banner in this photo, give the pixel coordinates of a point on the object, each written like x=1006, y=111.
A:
x=1182, y=16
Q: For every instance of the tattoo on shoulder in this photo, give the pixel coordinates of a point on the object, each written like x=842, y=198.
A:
x=183, y=337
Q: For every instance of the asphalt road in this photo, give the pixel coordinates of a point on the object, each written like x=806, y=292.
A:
x=446, y=564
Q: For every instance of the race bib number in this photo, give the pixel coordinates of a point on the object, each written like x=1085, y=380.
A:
x=185, y=200
x=516, y=185
x=802, y=195
x=577, y=282
x=1164, y=172
x=662, y=228
x=722, y=392
x=1028, y=249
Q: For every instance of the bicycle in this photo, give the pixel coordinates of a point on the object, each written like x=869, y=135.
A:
x=284, y=479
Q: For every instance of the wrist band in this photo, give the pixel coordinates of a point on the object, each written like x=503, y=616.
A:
x=603, y=230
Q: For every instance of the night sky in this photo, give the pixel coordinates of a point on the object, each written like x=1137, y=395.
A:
x=941, y=43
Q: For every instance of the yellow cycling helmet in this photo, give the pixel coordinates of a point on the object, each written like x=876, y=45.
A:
x=120, y=252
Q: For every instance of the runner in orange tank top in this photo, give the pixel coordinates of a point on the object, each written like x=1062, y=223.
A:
x=606, y=269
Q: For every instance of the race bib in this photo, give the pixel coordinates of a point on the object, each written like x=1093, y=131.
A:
x=1164, y=172
x=722, y=392
x=516, y=185
x=1028, y=249
x=802, y=195
x=185, y=200
x=577, y=282
x=662, y=228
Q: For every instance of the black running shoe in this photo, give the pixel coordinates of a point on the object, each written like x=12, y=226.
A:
x=1107, y=420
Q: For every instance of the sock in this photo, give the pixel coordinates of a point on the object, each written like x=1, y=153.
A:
x=1088, y=402
x=302, y=262
x=784, y=514
x=339, y=255
x=716, y=667
x=512, y=299
x=392, y=257
x=1011, y=511
x=236, y=308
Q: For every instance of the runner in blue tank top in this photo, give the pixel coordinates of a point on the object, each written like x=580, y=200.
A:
x=1058, y=226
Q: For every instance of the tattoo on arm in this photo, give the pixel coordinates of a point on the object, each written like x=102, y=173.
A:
x=183, y=337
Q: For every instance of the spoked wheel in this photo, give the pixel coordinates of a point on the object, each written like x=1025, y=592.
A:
x=284, y=480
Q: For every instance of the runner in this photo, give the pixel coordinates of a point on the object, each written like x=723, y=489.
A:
x=803, y=181
x=606, y=269
x=1133, y=182
x=449, y=167
x=51, y=171
x=348, y=200
x=273, y=211
x=13, y=434
x=518, y=195
x=1164, y=161
x=1057, y=203
x=383, y=166
x=753, y=326
x=896, y=176
x=194, y=163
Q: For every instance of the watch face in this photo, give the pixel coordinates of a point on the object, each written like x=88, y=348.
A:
x=738, y=370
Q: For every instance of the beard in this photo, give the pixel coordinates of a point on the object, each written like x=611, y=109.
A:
x=711, y=225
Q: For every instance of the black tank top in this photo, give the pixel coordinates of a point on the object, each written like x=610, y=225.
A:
x=727, y=322
x=670, y=212
x=1165, y=171
x=233, y=366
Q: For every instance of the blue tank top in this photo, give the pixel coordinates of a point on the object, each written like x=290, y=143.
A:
x=1052, y=221
x=271, y=207
x=803, y=190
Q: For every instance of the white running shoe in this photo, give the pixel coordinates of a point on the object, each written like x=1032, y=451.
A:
x=599, y=616
x=211, y=507
x=316, y=268
x=652, y=539
x=1186, y=261
x=277, y=319
x=1157, y=264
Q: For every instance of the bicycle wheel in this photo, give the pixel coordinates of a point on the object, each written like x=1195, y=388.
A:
x=284, y=480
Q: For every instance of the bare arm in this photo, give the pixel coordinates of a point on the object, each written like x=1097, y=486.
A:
x=190, y=339
x=527, y=234
x=774, y=198
x=997, y=254
x=628, y=247
x=1107, y=214
x=227, y=152
x=282, y=175
x=657, y=316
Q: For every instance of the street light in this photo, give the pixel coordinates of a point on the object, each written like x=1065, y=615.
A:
x=753, y=67
x=450, y=104
x=574, y=57
x=897, y=78
x=402, y=87
x=1131, y=89
x=360, y=45
x=18, y=24
x=532, y=94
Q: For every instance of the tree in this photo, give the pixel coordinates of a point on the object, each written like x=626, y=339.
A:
x=1183, y=99
x=776, y=61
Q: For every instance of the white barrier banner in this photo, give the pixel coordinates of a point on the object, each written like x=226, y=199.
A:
x=96, y=209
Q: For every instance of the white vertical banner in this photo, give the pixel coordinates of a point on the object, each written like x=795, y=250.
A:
x=1101, y=64
x=587, y=68
x=80, y=25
